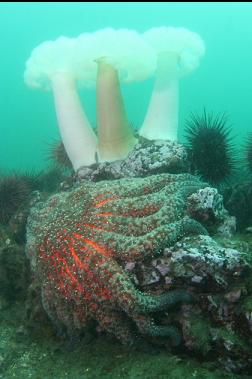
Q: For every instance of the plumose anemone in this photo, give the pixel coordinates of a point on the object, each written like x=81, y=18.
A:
x=178, y=53
x=54, y=65
x=122, y=56
x=210, y=146
x=104, y=59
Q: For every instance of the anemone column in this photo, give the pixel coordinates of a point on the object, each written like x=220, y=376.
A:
x=77, y=134
x=115, y=136
x=161, y=120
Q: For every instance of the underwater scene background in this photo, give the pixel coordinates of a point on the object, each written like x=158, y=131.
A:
x=129, y=256
x=222, y=83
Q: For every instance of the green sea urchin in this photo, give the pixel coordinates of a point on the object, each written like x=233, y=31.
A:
x=248, y=152
x=210, y=146
x=13, y=192
x=58, y=155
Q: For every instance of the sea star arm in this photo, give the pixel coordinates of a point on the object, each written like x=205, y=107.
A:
x=128, y=248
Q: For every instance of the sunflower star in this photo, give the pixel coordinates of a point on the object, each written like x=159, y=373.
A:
x=79, y=242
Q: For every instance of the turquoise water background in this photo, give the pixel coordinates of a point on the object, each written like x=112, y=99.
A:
x=222, y=83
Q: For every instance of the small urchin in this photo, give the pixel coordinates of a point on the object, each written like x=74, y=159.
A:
x=58, y=155
x=13, y=192
x=248, y=152
x=210, y=146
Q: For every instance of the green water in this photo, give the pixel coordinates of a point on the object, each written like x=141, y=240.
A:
x=223, y=82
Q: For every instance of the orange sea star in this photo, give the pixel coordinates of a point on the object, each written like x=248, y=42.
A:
x=79, y=242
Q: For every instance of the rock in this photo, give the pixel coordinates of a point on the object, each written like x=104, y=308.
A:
x=146, y=158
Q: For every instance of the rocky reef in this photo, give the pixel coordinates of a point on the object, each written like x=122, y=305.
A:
x=146, y=158
x=149, y=257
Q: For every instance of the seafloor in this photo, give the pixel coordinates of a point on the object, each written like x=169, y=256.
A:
x=40, y=355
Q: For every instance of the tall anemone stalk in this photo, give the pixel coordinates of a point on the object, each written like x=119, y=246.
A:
x=115, y=135
x=178, y=53
x=161, y=120
x=77, y=134
x=211, y=146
